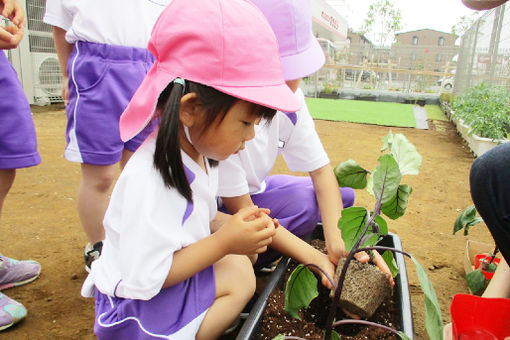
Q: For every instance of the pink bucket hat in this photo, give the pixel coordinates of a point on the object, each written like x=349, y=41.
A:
x=291, y=20
x=227, y=45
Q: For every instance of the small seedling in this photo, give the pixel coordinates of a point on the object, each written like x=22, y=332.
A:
x=362, y=229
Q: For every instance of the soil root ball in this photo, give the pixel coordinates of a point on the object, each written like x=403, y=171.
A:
x=365, y=288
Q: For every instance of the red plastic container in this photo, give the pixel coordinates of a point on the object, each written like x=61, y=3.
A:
x=479, y=258
x=478, y=318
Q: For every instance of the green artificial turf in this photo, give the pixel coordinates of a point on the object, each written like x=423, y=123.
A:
x=358, y=111
x=434, y=113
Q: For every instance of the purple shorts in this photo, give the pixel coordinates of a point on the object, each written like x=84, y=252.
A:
x=18, y=142
x=176, y=311
x=102, y=80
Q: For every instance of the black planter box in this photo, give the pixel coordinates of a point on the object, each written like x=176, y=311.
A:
x=400, y=291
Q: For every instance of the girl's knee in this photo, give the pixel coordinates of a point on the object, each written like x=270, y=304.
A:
x=235, y=276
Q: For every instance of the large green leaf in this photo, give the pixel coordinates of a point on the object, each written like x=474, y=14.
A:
x=351, y=174
x=390, y=261
x=476, y=281
x=279, y=337
x=396, y=206
x=301, y=289
x=404, y=152
x=466, y=219
x=433, y=318
x=353, y=222
x=386, y=178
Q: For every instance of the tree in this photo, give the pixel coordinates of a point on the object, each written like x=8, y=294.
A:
x=464, y=24
x=382, y=21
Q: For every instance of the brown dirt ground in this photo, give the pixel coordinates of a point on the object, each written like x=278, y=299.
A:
x=40, y=221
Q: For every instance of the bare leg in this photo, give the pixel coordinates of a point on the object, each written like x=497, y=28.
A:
x=235, y=285
x=126, y=155
x=6, y=179
x=93, y=198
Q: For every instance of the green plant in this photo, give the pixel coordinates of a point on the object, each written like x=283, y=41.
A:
x=362, y=229
x=485, y=109
x=476, y=280
x=446, y=97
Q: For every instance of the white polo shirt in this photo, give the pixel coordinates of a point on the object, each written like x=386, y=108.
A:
x=146, y=222
x=291, y=134
x=113, y=22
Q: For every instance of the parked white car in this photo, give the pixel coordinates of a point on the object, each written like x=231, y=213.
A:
x=446, y=82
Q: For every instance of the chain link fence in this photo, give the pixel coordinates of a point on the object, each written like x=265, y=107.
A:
x=485, y=51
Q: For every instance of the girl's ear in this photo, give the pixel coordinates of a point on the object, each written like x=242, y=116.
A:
x=189, y=110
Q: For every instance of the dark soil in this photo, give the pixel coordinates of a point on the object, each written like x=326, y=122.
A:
x=313, y=319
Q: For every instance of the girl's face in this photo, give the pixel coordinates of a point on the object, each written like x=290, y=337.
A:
x=228, y=135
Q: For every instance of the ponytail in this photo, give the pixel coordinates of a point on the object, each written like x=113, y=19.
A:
x=167, y=155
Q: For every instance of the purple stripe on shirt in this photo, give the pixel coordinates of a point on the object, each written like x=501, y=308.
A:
x=292, y=116
x=189, y=205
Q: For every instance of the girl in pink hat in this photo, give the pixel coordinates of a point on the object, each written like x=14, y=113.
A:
x=164, y=271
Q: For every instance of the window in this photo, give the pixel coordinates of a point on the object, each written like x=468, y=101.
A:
x=439, y=57
x=441, y=41
x=415, y=40
x=413, y=56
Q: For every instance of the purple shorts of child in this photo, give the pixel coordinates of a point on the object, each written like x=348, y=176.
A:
x=102, y=80
x=18, y=142
x=174, y=313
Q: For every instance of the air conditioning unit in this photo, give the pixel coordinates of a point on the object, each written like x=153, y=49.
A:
x=47, y=78
x=36, y=60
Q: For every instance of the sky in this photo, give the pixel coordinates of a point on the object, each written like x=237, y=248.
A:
x=439, y=15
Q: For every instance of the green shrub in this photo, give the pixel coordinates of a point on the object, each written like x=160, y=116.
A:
x=485, y=109
x=446, y=97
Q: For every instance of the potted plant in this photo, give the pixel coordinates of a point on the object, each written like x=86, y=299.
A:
x=481, y=263
x=481, y=114
x=362, y=230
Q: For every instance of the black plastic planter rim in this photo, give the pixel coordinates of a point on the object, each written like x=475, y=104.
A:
x=401, y=291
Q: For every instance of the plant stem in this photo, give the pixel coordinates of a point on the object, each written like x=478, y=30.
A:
x=365, y=322
x=384, y=248
x=338, y=290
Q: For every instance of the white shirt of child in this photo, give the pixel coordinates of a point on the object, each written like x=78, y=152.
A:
x=112, y=22
x=292, y=134
x=146, y=222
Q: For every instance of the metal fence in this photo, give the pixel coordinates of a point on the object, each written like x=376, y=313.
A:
x=485, y=51
x=401, y=68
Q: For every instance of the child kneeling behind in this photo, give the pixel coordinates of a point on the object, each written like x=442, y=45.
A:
x=163, y=273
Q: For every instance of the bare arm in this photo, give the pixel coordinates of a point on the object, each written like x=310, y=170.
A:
x=330, y=206
x=234, y=204
x=64, y=50
x=248, y=232
x=499, y=285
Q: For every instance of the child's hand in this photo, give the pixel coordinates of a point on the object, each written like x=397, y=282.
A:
x=10, y=37
x=379, y=262
x=337, y=249
x=12, y=10
x=248, y=232
x=324, y=262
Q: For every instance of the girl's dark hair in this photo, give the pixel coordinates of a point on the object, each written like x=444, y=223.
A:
x=167, y=155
